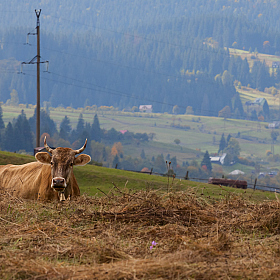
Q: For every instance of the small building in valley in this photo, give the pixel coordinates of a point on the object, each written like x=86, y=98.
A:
x=218, y=159
x=146, y=108
x=275, y=124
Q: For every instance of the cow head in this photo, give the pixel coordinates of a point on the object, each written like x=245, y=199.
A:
x=62, y=161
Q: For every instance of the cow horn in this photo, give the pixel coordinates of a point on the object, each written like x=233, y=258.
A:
x=46, y=145
x=81, y=149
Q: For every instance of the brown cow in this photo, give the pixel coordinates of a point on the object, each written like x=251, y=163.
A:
x=50, y=178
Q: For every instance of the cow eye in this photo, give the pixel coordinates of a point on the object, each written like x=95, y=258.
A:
x=51, y=163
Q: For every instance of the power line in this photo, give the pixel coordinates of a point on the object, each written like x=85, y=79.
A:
x=106, y=91
x=123, y=66
x=112, y=91
x=135, y=97
x=102, y=89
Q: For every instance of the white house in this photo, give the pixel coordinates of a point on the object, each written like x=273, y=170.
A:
x=275, y=124
x=146, y=108
x=236, y=172
x=219, y=160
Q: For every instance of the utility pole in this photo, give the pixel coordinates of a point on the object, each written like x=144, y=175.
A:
x=37, y=60
x=38, y=12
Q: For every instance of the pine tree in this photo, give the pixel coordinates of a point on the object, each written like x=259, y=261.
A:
x=104, y=154
x=9, y=138
x=228, y=138
x=233, y=149
x=23, y=134
x=207, y=161
x=95, y=129
x=2, y=125
x=80, y=125
x=222, y=144
x=65, y=128
x=238, y=104
x=47, y=124
x=142, y=155
x=76, y=134
x=160, y=165
x=174, y=162
x=116, y=161
x=266, y=109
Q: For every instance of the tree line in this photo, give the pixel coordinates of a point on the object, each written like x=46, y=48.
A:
x=106, y=147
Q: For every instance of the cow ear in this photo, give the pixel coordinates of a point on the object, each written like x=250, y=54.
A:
x=43, y=157
x=82, y=159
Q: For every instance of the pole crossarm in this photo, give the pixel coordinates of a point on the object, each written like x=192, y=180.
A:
x=34, y=60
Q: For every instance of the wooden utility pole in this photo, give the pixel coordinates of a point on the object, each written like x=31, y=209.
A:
x=38, y=12
x=37, y=60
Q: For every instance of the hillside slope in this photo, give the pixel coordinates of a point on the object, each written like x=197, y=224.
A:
x=95, y=180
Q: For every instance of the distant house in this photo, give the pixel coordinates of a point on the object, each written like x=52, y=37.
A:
x=123, y=131
x=236, y=172
x=146, y=108
x=259, y=101
x=219, y=160
x=248, y=103
x=275, y=64
x=259, y=104
x=275, y=124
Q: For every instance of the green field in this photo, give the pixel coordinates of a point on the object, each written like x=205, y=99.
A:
x=251, y=57
x=204, y=133
x=98, y=181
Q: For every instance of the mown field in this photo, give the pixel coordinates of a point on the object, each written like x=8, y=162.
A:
x=137, y=226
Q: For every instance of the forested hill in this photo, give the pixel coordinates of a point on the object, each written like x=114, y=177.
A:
x=68, y=15
x=126, y=53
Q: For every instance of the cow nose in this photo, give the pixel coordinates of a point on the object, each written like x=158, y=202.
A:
x=58, y=183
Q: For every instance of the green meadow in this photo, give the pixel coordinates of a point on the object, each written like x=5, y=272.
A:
x=100, y=181
x=196, y=133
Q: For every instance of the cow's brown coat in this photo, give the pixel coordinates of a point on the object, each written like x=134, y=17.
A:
x=33, y=180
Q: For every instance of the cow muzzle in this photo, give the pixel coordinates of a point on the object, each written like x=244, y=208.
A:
x=59, y=185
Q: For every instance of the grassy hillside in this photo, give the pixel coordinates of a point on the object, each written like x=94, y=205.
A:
x=249, y=94
x=251, y=57
x=98, y=181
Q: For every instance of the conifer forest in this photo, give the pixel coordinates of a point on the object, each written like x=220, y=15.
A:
x=124, y=53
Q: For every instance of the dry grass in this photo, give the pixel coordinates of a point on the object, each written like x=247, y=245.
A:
x=109, y=237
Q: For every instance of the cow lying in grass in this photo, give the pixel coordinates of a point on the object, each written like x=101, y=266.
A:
x=50, y=178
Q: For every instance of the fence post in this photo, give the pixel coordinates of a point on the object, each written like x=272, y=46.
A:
x=116, y=166
x=187, y=176
x=255, y=183
x=151, y=171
